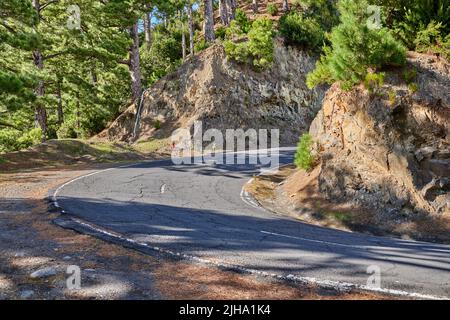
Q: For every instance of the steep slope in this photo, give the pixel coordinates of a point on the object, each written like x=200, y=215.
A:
x=225, y=95
x=389, y=150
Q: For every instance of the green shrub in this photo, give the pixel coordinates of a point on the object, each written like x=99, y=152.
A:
x=413, y=87
x=411, y=18
x=303, y=157
x=8, y=140
x=237, y=51
x=324, y=12
x=355, y=48
x=30, y=138
x=272, y=9
x=431, y=39
x=67, y=131
x=13, y=140
x=163, y=56
x=392, y=97
x=373, y=82
x=257, y=48
x=242, y=21
x=428, y=37
x=261, y=45
x=410, y=75
x=157, y=124
x=306, y=31
x=201, y=45
x=221, y=33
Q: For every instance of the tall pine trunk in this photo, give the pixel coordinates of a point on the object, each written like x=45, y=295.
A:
x=59, y=110
x=231, y=4
x=183, y=35
x=209, y=21
x=191, y=29
x=285, y=5
x=148, y=30
x=223, y=9
x=255, y=6
x=135, y=64
x=40, y=113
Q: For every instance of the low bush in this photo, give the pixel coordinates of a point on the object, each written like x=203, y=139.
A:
x=242, y=21
x=306, y=31
x=373, y=82
x=256, y=47
x=304, y=158
x=272, y=9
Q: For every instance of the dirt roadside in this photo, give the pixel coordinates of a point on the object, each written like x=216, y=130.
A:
x=30, y=242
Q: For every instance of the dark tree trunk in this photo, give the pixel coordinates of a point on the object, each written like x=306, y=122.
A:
x=223, y=9
x=255, y=7
x=183, y=35
x=231, y=4
x=286, y=5
x=135, y=64
x=78, y=112
x=94, y=76
x=40, y=113
x=209, y=21
x=59, y=109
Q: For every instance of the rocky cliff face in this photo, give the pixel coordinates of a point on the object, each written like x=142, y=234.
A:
x=225, y=95
x=390, y=149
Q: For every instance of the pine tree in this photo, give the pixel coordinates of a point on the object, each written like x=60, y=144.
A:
x=209, y=21
x=356, y=47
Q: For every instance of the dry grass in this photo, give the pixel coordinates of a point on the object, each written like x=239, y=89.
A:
x=190, y=281
x=72, y=153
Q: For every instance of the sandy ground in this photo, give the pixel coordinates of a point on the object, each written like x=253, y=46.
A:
x=29, y=241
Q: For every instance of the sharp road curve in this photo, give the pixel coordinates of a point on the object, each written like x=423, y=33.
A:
x=199, y=210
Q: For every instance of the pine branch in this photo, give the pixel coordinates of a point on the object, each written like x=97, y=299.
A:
x=8, y=27
x=45, y=5
x=8, y=125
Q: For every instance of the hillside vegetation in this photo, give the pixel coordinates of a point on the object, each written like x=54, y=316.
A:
x=68, y=72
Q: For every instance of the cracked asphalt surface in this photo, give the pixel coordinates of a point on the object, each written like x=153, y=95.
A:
x=198, y=210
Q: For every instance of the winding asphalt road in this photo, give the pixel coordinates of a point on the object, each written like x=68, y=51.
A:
x=199, y=210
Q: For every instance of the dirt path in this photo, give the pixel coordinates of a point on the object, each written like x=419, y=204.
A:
x=30, y=242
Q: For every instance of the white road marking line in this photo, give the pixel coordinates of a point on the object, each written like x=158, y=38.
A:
x=336, y=285
x=319, y=241
x=247, y=199
x=55, y=194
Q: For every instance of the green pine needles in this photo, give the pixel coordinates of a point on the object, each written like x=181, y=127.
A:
x=355, y=48
x=251, y=44
x=304, y=158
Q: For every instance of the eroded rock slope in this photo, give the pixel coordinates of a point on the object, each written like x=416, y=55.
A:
x=389, y=149
x=225, y=95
